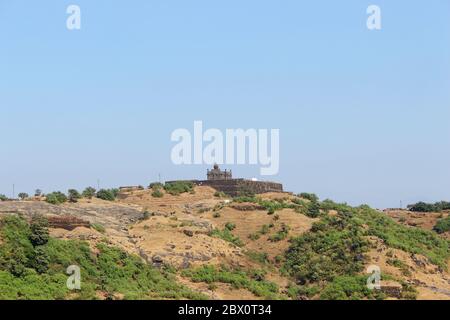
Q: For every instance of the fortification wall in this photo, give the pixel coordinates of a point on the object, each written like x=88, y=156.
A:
x=235, y=187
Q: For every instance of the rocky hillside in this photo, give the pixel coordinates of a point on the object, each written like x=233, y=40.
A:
x=200, y=244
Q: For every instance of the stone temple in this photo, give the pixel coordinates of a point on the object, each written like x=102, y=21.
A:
x=217, y=174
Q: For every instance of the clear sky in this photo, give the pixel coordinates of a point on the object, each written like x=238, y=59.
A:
x=363, y=115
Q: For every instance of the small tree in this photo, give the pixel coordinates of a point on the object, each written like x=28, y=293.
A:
x=309, y=196
x=442, y=225
x=40, y=260
x=313, y=210
x=3, y=197
x=74, y=195
x=39, y=230
x=16, y=261
x=56, y=198
x=89, y=192
x=38, y=193
x=23, y=195
x=106, y=194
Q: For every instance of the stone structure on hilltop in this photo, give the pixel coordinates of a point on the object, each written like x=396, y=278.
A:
x=217, y=174
x=223, y=181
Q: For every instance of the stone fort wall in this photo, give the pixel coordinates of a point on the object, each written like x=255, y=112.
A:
x=235, y=187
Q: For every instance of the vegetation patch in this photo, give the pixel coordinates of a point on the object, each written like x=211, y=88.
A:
x=157, y=193
x=442, y=226
x=281, y=234
x=29, y=270
x=429, y=207
x=56, y=197
x=409, y=239
x=73, y=195
x=252, y=280
x=98, y=227
x=260, y=257
x=400, y=265
x=332, y=255
x=226, y=235
x=335, y=246
x=350, y=288
x=108, y=194
x=178, y=187
x=88, y=193
x=220, y=194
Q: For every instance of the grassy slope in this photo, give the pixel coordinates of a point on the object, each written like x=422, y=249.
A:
x=329, y=259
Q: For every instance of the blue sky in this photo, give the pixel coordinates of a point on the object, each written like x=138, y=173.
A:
x=363, y=115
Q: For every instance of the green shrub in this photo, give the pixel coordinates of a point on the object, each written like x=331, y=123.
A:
x=298, y=292
x=88, y=193
x=313, y=210
x=3, y=197
x=443, y=205
x=23, y=195
x=178, y=187
x=350, y=288
x=230, y=226
x=226, y=235
x=73, y=195
x=238, y=279
x=264, y=229
x=220, y=194
x=254, y=236
x=261, y=257
x=107, y=194
x=400, y=265
x=56, y=197
x=443, y=225
x=203, y=210
x=309, y=196
x=280, y=235
x=39, y=230
x=146, y=215
x=241, y=199
x=328, y=204
x=157, y=193
x=156, y=185
x=40, y=260
x=98, y=227
x=272, y=206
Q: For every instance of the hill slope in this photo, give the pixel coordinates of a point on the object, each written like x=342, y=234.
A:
x=198, y=244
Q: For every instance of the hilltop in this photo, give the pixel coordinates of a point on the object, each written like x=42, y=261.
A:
x=195, y=242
